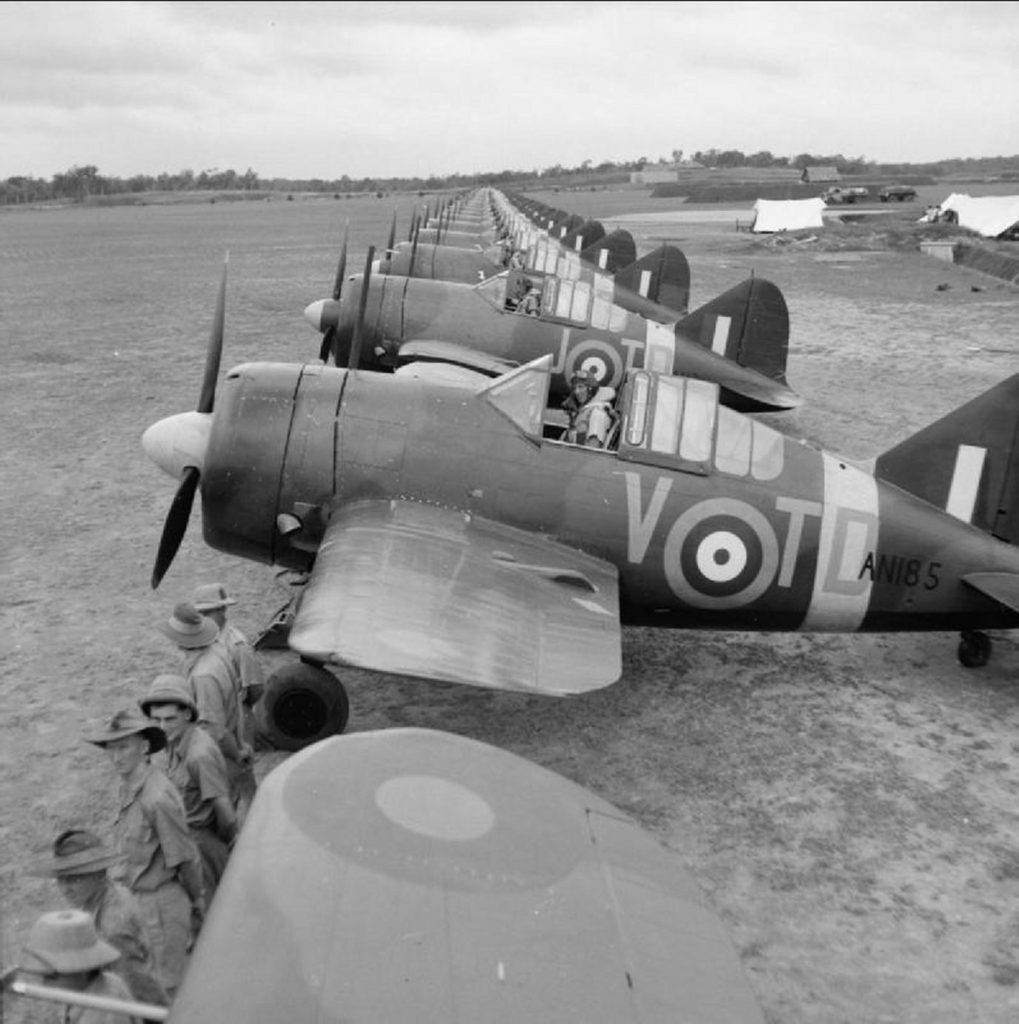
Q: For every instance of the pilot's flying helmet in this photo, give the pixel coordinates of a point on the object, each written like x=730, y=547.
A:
x=588, y=377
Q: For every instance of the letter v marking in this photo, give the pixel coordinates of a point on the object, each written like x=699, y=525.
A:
x=640, y=527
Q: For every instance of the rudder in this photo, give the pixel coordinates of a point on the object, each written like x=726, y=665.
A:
x=966, y=462
x=748, y=324
x=613, y=252
x=662, y=277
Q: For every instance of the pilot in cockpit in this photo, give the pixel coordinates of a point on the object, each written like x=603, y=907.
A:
x=590, y=411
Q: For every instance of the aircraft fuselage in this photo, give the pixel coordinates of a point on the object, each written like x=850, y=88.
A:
x=728, y=525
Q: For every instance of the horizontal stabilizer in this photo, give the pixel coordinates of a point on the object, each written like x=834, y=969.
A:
x=965, y=463
x=1002, y=587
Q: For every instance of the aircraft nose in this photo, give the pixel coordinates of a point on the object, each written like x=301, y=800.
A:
x=178, y=441
x=323, y=314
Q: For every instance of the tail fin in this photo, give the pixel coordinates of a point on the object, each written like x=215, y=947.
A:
x=613, y=252
x=967, y=462
x=589, y=233
x=662, y=276
x=748, y=324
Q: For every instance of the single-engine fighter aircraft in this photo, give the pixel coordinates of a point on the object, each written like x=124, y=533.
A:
x=657, y=286
x=739, y=340
x=408, y=875
x=447, y=537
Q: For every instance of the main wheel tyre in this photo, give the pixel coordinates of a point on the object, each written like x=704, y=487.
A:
x=974, y=649
x=301, y=705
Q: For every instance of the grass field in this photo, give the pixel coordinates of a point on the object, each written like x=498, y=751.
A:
x=849, y=804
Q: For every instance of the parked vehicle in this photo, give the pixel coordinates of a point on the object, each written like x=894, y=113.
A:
x=837, y=195
x=900, y=193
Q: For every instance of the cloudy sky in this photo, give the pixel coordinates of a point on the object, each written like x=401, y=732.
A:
x=324, y=89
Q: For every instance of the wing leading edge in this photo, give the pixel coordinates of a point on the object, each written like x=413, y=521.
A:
x=434, y=593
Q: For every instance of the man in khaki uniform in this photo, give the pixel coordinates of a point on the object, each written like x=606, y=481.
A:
x=196, y=766
x=214, y=687
x=212, y=600
x=64, y=950
x=161, y=865
x=79, y=865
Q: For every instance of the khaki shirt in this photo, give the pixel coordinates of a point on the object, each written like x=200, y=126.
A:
x=152, y=832
x=241, y=655
x=197, y=768
x=216, y=692
x=118, y=919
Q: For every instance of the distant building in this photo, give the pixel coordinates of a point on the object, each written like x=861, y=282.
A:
x=819, y=174
x=654, y=175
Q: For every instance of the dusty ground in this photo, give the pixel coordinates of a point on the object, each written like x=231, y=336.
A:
x=849, y=804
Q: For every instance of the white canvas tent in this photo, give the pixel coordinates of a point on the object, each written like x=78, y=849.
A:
x=788, y=214
x=989, y=216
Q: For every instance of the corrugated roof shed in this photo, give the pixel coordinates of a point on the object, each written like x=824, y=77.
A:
x=821, y=173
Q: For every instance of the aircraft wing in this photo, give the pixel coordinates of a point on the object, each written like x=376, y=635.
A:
x=450, y=352
x=408, y=876
x=407, y=588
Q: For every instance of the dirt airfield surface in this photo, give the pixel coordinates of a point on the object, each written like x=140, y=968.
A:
x=849, y=804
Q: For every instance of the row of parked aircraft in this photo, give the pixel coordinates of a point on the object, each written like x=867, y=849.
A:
x=446, y=529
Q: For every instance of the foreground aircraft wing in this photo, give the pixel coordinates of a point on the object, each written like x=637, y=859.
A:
x=458, y=355
x=407, y=588
x=408, y=876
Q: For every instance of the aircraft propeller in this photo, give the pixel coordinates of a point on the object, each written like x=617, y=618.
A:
x=392, y=236
x=177, y=518
x=329, y=337
x=415, y=231
x=355, y=344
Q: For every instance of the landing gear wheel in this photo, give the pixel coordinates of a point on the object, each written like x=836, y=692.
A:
x=302, y=704
x=974, y=649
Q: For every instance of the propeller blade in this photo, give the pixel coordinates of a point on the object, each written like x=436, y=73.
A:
x=414, y=249
x=341, y=268
x=392, y=234
x=355, y=345
x=327, y=345
x=215, y=350
x=176, y=523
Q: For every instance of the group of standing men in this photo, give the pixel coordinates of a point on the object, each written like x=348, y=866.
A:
x=139, y=906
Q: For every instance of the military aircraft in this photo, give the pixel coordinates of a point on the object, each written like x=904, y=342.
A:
x=446, y=536
x=657, y=286
x=446, y=880
x=739, y=339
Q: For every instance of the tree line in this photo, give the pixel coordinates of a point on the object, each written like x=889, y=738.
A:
x=80, y=184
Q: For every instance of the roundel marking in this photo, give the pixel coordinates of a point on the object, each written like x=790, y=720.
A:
x=721, y=556
x=435, y=808
x=720, y=553
x=589, y=355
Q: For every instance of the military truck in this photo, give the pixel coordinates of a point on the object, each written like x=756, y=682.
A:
x=837, y=195
x=900, y=193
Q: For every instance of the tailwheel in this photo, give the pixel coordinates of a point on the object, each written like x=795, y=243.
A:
x=974, y=648
x=302, y=704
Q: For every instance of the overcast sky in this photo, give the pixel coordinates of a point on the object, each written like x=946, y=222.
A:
x=302, y=90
